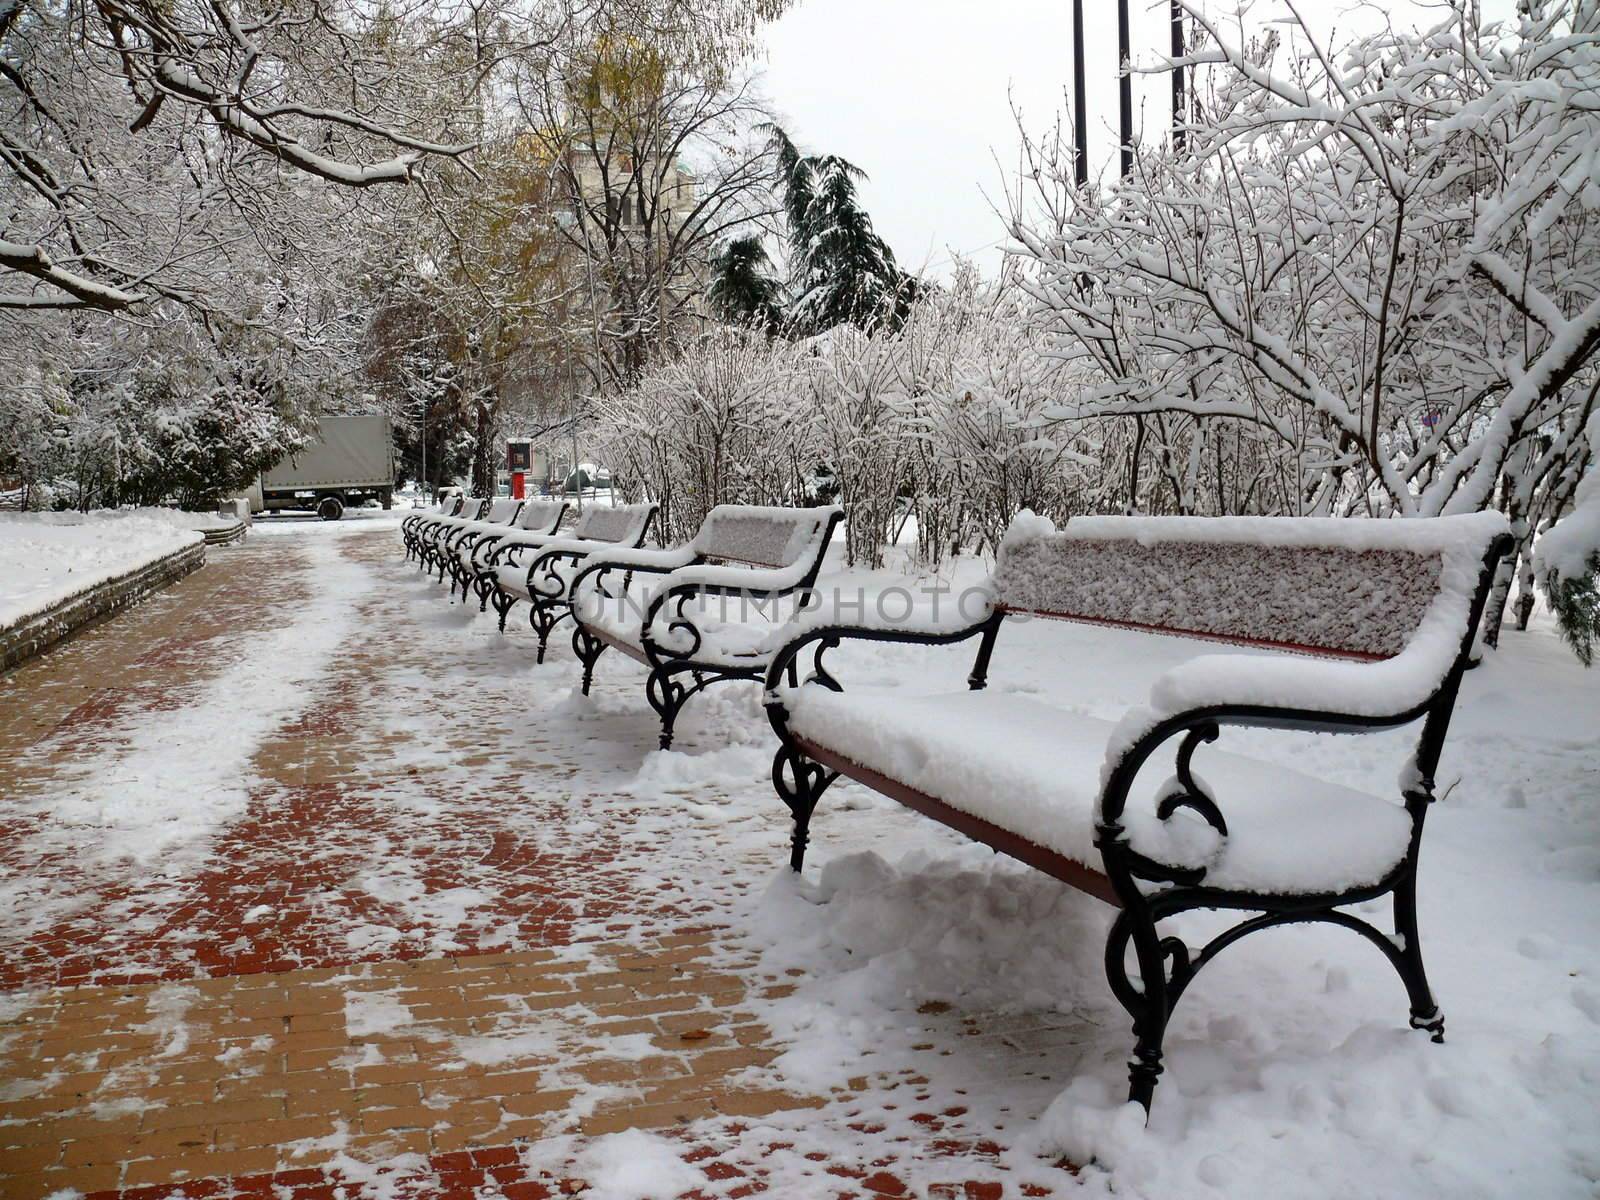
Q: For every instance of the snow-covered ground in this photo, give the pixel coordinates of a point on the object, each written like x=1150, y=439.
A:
x=46, y=558
x=1290, y=1070
x=918, y=955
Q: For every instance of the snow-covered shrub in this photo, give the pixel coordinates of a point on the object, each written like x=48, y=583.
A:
x=129, y=415
x=980, y=404
x=1369, y=278
x=1567, y=559
x=853, y=391
x=720, y=424
x=948, y=417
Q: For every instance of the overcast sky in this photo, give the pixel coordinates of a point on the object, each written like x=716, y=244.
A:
x=918, y=93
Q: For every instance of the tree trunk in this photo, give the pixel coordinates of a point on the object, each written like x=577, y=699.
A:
x=484, y=459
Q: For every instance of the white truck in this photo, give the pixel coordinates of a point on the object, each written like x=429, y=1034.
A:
x=349, y=460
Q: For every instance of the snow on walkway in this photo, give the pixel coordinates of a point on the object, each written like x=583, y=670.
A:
x=413, y=786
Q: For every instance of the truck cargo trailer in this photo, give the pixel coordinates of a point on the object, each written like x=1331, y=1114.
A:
x=349, y=460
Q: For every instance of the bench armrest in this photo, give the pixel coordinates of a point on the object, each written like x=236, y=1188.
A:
x=629, y=560
x=511, y=543
x=644, y=558
x=808, y=629
x=1197, y=699
x=544, y=567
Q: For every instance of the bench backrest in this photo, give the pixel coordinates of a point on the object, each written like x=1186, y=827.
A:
x=541, y=515
x=472, y=508
x=624, y=524
x=1345, y=587
x=766, y=537
x=502, y=509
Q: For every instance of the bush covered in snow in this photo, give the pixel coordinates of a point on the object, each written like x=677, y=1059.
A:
x=1567, y=561
x=944, y=417
x=1366, y=283
x=145, y=416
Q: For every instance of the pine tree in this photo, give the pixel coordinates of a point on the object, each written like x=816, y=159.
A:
x=742, y=291
x=844, y=273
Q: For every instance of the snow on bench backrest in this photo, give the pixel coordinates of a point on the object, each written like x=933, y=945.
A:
x=541, y=516
x=622, y=524
x=472, y=508
x=502, y=510
x=762, y=537
x=1351, y=587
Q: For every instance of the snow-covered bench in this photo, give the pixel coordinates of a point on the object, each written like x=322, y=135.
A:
x=412, y=524
x=685, y=611
x=442, y=533
x=539, y=568
x=411, y=528
x=538, y=517
x=1368, y=624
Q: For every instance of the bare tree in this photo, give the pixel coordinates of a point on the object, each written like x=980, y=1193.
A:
x=655, y=157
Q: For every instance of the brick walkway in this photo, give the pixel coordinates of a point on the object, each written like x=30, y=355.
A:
x=285, y=1017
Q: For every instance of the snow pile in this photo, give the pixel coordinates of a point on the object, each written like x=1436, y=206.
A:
x=46, y=558
x=1290, y=1071
x=636, y=1165
x=1564, y=551
x=180, y=518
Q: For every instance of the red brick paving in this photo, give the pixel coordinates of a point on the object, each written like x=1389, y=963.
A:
x=313, y=891
x=195, y=926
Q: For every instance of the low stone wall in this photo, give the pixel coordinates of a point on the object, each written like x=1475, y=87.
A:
x=224, y=534
x=37, y=633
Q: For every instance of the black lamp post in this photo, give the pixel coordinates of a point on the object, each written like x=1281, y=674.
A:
x=1080, y=124
x=1177, y=75
x=1080, y=107
x=1124, y=88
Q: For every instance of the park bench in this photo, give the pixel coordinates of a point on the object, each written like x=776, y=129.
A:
x=639, y=601
x=538, y=516
x=539, y=568
x=1352, y=626
x=411, y=528
x=496, y=513
x=433, y=535
x=431, y=525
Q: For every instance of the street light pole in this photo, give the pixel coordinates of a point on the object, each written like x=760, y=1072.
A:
x=1178, y=133
x=1125, y=86
x=1080, y=108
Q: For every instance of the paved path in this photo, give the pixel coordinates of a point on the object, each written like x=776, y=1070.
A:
x=406, y=943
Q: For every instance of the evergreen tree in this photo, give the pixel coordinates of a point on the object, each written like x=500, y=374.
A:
x=742, y=291
x=843, y=272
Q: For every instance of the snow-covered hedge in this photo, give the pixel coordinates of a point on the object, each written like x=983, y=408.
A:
x=944, y=419
x=1567, y=561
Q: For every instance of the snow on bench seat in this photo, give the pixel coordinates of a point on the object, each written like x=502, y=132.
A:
x=704, y=611
x=734, y=633
x=1034, y=770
